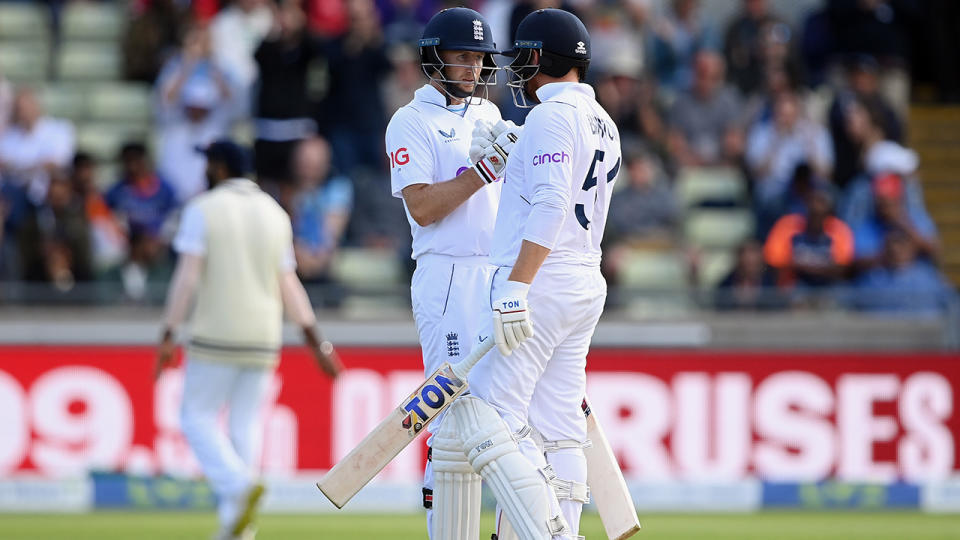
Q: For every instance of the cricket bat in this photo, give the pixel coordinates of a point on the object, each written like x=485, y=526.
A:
x=397, y=430
x=607, y=486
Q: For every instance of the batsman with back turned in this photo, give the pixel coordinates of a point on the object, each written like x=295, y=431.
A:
x=522, y=428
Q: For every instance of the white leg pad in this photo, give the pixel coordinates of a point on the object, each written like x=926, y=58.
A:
x=456, y=488
x=521, y=489
x=568, y=461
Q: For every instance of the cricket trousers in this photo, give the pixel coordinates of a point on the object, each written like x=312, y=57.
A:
x=451, y=309
x=228, y=460
x=543, y=382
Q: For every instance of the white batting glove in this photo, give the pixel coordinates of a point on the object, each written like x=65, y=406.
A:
x=483, y=130
x=504, y=134
x=511, y=317
x=488, y=159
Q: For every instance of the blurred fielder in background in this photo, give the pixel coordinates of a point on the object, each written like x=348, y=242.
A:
x=546, y=247
x=450, y=193
x=235, y=250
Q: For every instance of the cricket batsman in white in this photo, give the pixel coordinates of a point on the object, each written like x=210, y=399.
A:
x=547, y=292
x=450, y=190
x=235, y=246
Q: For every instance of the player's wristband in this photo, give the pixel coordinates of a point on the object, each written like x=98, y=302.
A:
x=485, y=171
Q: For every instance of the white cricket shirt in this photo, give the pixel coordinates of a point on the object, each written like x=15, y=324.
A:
x=559, y=179
x=429, y=143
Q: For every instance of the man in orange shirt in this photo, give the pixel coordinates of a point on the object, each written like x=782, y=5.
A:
x=812, y=250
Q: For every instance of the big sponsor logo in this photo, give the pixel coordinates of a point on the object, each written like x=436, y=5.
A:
x=424, y=404
x=399, y=157
x=546, y=158
x=803, y=418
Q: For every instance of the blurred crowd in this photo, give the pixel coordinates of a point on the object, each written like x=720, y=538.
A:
x=809, y=112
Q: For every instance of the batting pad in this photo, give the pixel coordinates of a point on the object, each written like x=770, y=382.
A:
x=456, y=488
x=520, y=488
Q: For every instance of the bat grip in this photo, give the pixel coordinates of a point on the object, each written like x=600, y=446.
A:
x=463, y=367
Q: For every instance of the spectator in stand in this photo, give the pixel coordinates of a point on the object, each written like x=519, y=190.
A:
x=634, y=105
x=617, y=34
x=744, y=45
x=775, y=148
x=34, y=147
x=55, y=239
x=751, y=284
x=864, y=90
x=321, y=210
x=403, y=20
x=881, y=29
x=235, y=33
x=892, y=214
x=145, y=202
x=903, y=283
x=327, y=17
x=142, y=197
x=677, y=39
x=878, y=157
x=794, y=201
x=810, y=251
x=358, y=65
x=152, y=36
x=704, y=122
x=283, y=107
x=646, y=209
x=108, y=242
x=817, y=46
x=405, y=77
x=645, y=213
x=195, y=106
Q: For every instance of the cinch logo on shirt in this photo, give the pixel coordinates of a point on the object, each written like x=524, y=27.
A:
x=556, y=157
x=399, y=157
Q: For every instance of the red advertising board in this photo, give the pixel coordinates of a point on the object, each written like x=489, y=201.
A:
x=670, y=415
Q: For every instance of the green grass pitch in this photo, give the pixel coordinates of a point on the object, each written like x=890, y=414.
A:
x=760, y=526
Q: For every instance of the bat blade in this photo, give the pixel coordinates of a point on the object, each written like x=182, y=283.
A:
x=358, y=467
x=607, y=486
x=397, y=430
x=391, y=436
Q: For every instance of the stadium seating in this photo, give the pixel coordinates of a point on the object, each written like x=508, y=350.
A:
x=80, y=61
x=696, y=186
x=24, y=21
x=65, y=101
x=126, y=102
x=649, y=269
x=103, y=140
x=94, y=21
x=24, y=64
x=718, y=228
x=366, y=268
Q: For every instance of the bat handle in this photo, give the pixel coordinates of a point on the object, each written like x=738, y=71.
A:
x=463, y=367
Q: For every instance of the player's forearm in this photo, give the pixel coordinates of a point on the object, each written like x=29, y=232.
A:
x=528, y=262
x=182, y=288
x=296, y=303
x=429, y=203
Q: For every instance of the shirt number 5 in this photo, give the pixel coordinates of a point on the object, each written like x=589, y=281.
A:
x=589, y=183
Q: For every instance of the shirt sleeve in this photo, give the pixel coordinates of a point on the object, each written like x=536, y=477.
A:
x=842, y=248
x=778, y=250
x=550, y=173
x=192, y=235
x=409, y=151
x=288, y=261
